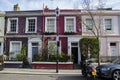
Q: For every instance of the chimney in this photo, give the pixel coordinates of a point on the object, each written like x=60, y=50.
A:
x=16, y=7
x=46, y=8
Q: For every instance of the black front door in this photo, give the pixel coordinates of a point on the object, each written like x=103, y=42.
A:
x=75, y=55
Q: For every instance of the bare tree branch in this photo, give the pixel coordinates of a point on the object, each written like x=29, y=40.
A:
x=94, y=11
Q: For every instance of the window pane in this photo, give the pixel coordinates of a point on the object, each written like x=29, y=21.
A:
x=35, y=44
x=70, y=21
x=70, y=24
x=13, y=25
x=52, y=47
x=108, y=24
x=89, y=24
x=50, y=25
x=74, y=44
x=112, y=44
x=16, y=47
x=31, y=25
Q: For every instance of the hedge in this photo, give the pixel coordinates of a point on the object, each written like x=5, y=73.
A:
x=89, y=45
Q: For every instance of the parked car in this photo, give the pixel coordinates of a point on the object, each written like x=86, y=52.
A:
x=1, y=62
x=109, y=70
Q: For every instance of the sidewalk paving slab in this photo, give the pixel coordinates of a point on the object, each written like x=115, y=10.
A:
x=38, y=71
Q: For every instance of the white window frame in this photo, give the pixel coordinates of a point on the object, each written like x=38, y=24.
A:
x=65, y=27
x=11, y=42
x=111, y=25
x=9, y=26
x=46, y=30
x=26, y=31
x=86, y=25
x=56, y=46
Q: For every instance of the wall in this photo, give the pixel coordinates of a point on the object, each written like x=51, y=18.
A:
x=2, y=24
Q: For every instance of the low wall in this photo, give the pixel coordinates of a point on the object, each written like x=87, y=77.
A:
x=13, y=64
x=40, y=65
x=52, y=65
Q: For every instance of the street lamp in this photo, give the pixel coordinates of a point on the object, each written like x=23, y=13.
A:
x=57, y=37
x=57, y=12
x=89, y=53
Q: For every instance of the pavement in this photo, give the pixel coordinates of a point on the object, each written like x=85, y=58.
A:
x=38, y=71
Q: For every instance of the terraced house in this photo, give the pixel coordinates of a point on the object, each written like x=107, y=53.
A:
x=109, y=22
x=41, y=31
x=23, y=28
x=67, y=27
x=38, y=29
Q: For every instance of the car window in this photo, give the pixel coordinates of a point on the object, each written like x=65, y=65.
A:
x=117, y=61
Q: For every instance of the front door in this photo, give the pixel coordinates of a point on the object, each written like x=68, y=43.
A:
x=75, y=54
x=34, y=50
x=74, y=50
x=114, y=50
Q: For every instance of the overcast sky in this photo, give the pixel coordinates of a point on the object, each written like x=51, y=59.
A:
x=7, y=5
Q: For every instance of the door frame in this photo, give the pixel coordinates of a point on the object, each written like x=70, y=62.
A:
x=79, y=56
x=72, y=39
x=30, y=41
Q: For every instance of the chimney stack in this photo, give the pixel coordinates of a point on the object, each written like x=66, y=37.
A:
x=16, y=7
x=46, y=8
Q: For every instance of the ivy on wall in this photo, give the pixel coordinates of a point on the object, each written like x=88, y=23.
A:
x=89, y=46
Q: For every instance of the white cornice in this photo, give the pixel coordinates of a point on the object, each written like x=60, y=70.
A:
x=22, y=36
x=62, y=35
x=20, y=13
x=23, y=14
x=101, y=12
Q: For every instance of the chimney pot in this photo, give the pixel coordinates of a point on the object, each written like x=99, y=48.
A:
x=16, y=7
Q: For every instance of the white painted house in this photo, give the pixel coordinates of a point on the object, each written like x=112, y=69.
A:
x=109, y=21
x=2, y=22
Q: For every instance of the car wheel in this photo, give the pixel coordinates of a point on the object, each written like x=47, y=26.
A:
x=116, y=75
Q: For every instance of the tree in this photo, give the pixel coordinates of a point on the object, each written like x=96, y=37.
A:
x=89, y=46
x=94, y=22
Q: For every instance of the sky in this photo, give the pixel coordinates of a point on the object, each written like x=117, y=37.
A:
x=7, y=5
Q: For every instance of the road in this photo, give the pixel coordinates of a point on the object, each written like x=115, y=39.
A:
x=40, y=77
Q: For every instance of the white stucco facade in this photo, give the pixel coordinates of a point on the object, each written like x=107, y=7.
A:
x=107, y=49
x=109, y=40
x=2, y=25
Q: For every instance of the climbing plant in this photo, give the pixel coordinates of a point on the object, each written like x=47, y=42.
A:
x=89, y=46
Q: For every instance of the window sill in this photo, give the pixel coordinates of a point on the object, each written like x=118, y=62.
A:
x=109, y=31
x=49, y=32
x=30, y=32
x=12, y=32
x=69, y=32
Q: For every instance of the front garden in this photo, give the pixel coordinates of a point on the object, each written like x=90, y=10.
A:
x=44, y=61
